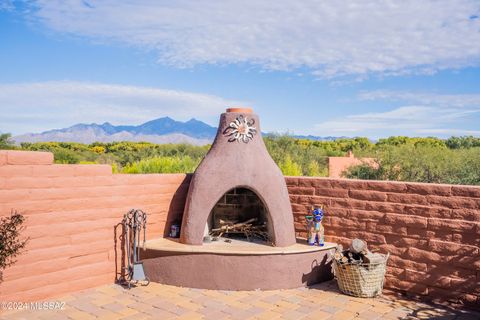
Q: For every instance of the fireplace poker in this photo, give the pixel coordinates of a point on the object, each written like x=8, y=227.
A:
x=133, y=222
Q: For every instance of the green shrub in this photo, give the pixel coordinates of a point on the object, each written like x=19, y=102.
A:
x=66, y=156
x=364, y=172
x=302, y=152
x=290, y=167
x=314, y=170
x=422, y=163
x=6, y=141
x=10, y=244
x=163, y=165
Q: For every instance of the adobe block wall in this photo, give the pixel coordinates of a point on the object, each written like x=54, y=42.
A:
x=431, y=231
x=71, y=212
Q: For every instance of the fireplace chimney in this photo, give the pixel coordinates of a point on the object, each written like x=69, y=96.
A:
x=238, y=160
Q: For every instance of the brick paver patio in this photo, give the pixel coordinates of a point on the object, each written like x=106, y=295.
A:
x=158, y=301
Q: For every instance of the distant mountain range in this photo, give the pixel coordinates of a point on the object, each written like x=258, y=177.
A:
x=161, y=130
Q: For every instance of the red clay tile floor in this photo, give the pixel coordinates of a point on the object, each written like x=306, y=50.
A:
x=157, y=301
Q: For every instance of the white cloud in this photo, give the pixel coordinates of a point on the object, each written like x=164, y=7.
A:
x=27, y=107
x=6, y=5
x=431, y=114
x=442, y=100
x=454, y=132
x=331, y=38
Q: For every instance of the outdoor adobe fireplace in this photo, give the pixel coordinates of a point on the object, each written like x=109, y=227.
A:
x=239, y=197
x=238, y=162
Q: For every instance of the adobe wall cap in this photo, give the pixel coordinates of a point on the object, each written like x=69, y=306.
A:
x=240, y=110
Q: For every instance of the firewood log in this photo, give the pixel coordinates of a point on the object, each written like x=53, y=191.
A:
x=358, y=246
x=373, y=258
x=235, y=226
x=224, y=222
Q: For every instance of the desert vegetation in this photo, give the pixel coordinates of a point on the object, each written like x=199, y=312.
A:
x=11, y=243
x=455, y=160
x=422, y=163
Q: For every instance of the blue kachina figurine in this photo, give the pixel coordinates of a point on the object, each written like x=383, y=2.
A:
x=315, y=227
x=310, y=230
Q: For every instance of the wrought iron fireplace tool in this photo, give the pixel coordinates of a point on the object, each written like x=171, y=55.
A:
x=134, y=222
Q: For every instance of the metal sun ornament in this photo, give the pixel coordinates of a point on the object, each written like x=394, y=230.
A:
x=241, y=129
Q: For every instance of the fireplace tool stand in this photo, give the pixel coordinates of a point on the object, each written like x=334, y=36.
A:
x=134, y=222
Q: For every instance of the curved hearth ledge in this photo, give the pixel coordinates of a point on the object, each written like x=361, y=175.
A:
x=238, y=265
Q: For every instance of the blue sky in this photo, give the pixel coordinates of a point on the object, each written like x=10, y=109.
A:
x=333, y=68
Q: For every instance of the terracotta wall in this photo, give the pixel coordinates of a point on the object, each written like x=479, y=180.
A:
x=431, y=231
x=71, y=212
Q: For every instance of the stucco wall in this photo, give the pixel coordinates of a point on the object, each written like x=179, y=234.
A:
x=71, y=212
x=431, y=231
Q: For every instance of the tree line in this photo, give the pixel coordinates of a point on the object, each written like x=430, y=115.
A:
x=454, y=160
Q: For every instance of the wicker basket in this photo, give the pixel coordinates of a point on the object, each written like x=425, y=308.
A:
x=363, y=280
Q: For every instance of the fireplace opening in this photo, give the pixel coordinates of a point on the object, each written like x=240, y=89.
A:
x=239, y=214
